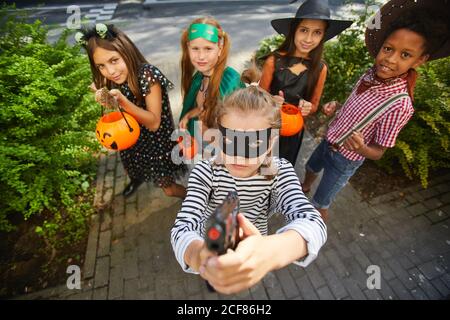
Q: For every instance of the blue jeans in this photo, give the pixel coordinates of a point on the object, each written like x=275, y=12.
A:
x=337, y=170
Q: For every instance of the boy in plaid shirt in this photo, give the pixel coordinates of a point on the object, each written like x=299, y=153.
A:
x=407, y=39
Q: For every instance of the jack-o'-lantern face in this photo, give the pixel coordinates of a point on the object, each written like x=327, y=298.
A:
x=106, y=140
x=114, y=133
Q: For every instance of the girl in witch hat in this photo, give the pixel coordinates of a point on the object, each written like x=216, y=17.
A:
x=411, y=32
x=296, y=70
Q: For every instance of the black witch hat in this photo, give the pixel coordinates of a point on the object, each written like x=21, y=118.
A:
x=313, y=9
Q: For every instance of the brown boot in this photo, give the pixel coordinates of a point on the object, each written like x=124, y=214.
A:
x=323, y=214
x=305, y=190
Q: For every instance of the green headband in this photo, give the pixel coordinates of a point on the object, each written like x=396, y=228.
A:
x=205, y=31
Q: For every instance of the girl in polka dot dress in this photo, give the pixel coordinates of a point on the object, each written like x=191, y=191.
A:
x=141, y=90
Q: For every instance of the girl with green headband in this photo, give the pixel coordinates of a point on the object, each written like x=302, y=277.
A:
x=205, y=78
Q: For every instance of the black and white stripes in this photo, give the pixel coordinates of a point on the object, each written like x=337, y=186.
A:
x=208, y=186
x=103, y=14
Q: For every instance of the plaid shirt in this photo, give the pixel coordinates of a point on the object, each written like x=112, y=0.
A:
x=385, y=129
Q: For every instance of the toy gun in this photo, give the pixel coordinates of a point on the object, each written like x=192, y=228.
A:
x=222, y=232
x=222, y=229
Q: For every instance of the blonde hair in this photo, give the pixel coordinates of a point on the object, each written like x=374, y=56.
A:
x=187, y=69
x=248, y=100
x=253, y=73
x=253, y=99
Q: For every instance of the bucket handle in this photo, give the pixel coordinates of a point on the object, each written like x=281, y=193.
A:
x=111, y=102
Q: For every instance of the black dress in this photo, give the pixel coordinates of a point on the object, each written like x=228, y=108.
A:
x=294, y=89
x=150, y=158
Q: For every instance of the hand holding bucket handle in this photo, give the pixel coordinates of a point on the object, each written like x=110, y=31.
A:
x=305, y=107
x=109, y=101
x=279, y=99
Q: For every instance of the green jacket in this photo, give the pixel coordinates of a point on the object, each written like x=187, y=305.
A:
x=231, y=80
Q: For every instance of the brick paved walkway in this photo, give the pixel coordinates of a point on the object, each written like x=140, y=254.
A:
x=129, y=255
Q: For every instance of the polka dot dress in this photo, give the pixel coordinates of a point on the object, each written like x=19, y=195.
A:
x=149, y=158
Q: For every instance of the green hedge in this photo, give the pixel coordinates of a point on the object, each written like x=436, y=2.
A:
x=423, y=144
x=47, y=120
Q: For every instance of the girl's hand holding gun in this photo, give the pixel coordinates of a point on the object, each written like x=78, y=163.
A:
x=239, y=269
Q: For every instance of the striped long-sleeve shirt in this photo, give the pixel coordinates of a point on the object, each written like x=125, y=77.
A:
x=209, y=184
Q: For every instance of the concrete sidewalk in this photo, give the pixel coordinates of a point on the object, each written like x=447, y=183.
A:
x=129, y=255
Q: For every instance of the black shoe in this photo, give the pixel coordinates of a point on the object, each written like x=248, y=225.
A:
x=131, y=188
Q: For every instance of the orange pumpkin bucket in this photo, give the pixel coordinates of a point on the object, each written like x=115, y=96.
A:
x=291, y=120
x=188, y=147
x=117, y=130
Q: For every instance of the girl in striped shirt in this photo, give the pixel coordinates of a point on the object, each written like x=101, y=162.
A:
x=264, y=184
x=406, y=40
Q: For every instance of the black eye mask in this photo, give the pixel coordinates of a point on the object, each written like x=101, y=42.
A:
x=246, y=144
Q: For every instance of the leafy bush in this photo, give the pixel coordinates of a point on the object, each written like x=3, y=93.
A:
x=47, y=121
x=268, y=45
x=347, y=59
x=423, y=144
